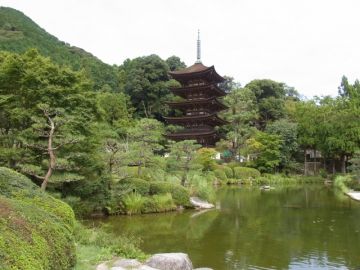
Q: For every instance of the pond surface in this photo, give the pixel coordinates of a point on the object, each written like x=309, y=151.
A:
x=299, y=227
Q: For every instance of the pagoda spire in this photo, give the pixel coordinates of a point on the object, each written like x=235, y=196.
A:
x=198, y=52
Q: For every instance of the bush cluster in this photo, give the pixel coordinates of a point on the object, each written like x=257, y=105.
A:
x=36, y=229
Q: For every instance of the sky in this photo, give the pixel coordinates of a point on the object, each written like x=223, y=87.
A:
x=307, y=44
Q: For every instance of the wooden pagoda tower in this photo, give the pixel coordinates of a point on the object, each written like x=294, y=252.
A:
x=199, y=105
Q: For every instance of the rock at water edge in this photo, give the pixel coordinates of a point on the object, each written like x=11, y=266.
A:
x=197, y=202
x=167, y=261
x=127, y=263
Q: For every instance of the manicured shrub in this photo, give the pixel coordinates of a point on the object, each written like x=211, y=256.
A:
x=128, y=185
x=244, y=173
x=36, y=229
x=179, y=194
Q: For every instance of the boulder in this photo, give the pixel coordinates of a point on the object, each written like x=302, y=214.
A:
x=127, y=263
x=145, y=267
x=117, y=268
x=102, y=266
x=198, y=203
x=167, y=261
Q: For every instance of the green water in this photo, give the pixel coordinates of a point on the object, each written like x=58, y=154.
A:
x=309, y=227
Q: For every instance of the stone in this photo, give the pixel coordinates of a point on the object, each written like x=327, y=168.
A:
x=145, y=267
x=167, y=261
x=197, y=202
x=102, y=266
x=127, y=263
x=117, y=268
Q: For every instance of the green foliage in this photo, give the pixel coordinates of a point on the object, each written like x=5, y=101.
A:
x=133, y=203
x=265, y=151
x=179, y=194
x=245, y=173
x=343, y=182
x=28, y=215
x=206, y=158
x=159, y=203
x=175, y=63
x=289, y=145
x=181, y=157
x=146, y=80
x=96, y=244
x=228, y=171
x=19, y=34
x=137, y=185
x=355, y=165
x=220, y=174
x=202, y=188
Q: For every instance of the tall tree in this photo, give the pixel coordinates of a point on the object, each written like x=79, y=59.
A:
x=146, y=81
x=46, y=109
x=175, y=63
x=181, y=157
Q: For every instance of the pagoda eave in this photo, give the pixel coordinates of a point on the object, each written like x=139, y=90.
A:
x=212, y=119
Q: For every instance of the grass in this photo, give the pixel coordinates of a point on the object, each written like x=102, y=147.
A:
x=96, y=245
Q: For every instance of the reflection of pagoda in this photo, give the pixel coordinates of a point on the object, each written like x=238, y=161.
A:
x=199, y=89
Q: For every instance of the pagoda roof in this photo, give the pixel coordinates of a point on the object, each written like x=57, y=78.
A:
x=197, y=70
x=214, y=118
x=187, y=133
x=182, y=91
x=212, y=101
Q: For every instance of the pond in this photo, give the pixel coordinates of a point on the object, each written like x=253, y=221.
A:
x=298, y=227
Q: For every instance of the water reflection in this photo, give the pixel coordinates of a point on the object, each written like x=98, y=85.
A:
x=287, y=228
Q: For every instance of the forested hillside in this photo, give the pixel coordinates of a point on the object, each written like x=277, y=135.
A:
x=19, y=33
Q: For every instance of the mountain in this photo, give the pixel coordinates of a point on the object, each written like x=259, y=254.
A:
x=19, y=33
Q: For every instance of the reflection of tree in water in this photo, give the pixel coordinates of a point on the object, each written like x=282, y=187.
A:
x=284, y=225
x=278, y=228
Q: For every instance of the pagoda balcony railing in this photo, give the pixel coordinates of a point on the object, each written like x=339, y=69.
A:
x=193, y=113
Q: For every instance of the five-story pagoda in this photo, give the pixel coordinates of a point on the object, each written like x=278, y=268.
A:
x=200, y=105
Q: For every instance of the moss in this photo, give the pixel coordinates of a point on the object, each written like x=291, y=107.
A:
x=36, y=229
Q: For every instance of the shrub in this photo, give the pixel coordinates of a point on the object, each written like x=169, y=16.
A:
x=179, y=194
x=133, y=203
x=202, y=188
x=159, y=203
x=97, y=244
x=228, y=171
x=39, y=234
x=133, y=185
x=221, y=175
x=346, y=182
x=245, y=173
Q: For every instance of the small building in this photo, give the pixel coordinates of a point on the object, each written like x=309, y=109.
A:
x=199, y=105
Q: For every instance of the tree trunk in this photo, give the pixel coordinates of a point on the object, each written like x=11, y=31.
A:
x=315, y=167
x=333, y=166
x=50, y=150
x=343, y=163
x=305, y=171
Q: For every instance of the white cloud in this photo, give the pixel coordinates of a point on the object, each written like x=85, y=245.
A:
x=305, y=43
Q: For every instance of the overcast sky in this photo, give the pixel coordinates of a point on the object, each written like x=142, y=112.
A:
x=308, y=44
